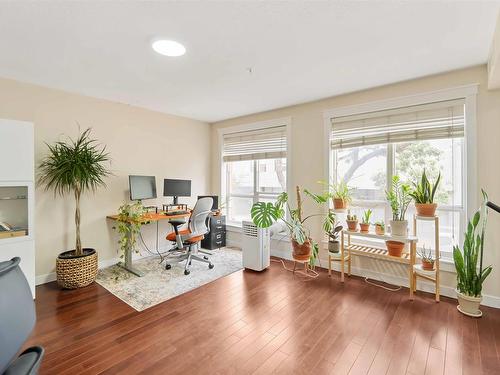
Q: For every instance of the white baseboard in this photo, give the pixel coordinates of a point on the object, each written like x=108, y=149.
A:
x=47, y=278
x=488, y=300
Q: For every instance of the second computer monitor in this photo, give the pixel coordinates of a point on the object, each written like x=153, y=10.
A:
x=176, y=188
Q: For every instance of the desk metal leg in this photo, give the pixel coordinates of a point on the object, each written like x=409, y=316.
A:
x=127, y=265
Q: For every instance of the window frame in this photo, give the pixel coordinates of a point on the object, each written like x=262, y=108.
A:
x=283, y=121
x=469, y=151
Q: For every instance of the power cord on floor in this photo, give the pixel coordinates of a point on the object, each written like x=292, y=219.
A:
x=397, y=287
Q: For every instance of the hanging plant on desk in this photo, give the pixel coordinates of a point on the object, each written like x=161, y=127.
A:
x=130, y=219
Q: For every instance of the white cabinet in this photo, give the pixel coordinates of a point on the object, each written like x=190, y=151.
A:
x=17, y=195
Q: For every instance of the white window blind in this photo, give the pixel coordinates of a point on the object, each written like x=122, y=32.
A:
x=420, y=122
x=269, y=143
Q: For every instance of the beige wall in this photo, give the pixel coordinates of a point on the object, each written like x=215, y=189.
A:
x=139, y=142
x=307, y=142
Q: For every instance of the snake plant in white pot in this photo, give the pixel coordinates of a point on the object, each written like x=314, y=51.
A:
x=470, y=275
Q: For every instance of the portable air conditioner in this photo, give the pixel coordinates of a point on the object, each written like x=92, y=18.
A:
x=256, y=247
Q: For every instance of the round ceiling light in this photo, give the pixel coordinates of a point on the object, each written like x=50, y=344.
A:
x=169, y=48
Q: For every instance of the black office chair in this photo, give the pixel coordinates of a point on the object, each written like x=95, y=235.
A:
x=17, y=319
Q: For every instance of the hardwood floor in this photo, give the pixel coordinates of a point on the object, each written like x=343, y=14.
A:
x=264, y=323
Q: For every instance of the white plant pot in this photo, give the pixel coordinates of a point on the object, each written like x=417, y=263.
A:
x=399, y=228
x=469, y=305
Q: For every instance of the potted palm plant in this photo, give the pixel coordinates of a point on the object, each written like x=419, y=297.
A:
x=423, y=194
x=399, y=199
x=75, y=167
x=265, y=214
x=470, y=275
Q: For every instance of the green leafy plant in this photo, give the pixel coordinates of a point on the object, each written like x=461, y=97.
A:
x=399, y=198
x=426, y=255
x=423, y=191
x=380, y=223
x=74, y=166
x=366, y=216
x=470, y=277
x=341, y=190
x=130, y=219
x=265, y=214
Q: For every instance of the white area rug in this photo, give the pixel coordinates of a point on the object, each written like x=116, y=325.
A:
x=159, y=285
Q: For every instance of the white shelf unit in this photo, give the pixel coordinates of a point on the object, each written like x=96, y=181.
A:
x=418, y=271
x=17, y=152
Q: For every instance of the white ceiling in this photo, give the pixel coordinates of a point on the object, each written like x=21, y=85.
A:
x=299, y=51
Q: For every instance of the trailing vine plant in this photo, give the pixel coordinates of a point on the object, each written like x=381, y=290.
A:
x=130, y=219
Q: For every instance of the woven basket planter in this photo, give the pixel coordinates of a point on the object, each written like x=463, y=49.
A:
x=76, y=271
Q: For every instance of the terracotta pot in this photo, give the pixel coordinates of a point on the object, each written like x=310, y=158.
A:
x=428, y=265
x=469, y=305
x=395, y=248
x=426, y=209
x=352, y=225
x=379, y=230
x=364, y=227
x=339, y=204
x=301, y=252
x=334, y=246
x=399, y=228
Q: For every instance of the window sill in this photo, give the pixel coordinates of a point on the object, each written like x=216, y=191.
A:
x=234, y=228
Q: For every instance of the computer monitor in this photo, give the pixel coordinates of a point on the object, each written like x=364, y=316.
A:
x=215, y=205
x=142, y=187
x=176, y=188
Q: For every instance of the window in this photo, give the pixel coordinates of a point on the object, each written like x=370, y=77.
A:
x=368, y=149
x=254, y=169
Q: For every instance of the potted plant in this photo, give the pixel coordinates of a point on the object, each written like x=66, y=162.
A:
x=427, y=259
x=365, y=221
x=265, y=214
x=380, y=228
x=470, y=274
x=394, y=248
x=341, y=195
x=130, y=219
x=399, y=199
x=75, y=166
x=333, y=238
x=352, y=222
x=423, y=194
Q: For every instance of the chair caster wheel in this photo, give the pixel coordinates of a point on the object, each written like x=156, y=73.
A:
x=205, y=257
x=210, y=265
x=168, y=266
x=189, y=263
x=187, y=272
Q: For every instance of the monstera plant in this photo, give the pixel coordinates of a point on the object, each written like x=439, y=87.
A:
x=265, y=214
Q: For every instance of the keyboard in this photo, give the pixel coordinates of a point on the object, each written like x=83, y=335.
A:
x=174, y=213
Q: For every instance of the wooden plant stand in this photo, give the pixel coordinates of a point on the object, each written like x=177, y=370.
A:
x=339, y=257
x=407, y=258
x=418, y=271
x=308, y=271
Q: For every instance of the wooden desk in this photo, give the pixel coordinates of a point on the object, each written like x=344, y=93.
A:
x=146, y=219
